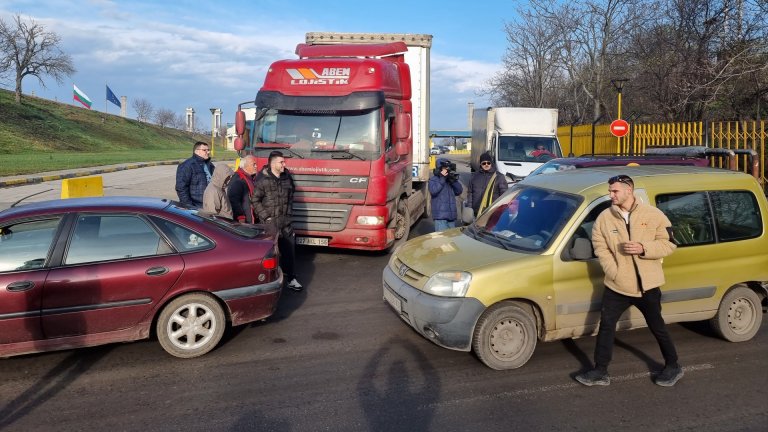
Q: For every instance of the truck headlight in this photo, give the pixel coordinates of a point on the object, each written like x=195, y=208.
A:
x=370, y=220
x=448, y=284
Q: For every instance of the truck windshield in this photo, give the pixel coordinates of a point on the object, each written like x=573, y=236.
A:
x=347, y=135
x=528, y=149
x=525, y=218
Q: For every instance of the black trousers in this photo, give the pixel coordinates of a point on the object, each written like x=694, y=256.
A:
x=614, y=304
x=286, y=243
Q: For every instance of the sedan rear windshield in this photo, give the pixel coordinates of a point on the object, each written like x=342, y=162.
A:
x=241, y=230
x=525, y=219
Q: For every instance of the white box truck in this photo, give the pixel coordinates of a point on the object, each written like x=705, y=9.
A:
x=520, y=139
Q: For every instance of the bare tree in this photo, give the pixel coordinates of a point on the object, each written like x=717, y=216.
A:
x=164, y=117
x=144, y=109
x=28, y=49
x=178, y=122
x=531, y=75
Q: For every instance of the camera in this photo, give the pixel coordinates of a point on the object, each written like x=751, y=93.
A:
x=452, y=174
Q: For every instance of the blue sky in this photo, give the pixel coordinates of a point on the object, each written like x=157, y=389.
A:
x=214, y=54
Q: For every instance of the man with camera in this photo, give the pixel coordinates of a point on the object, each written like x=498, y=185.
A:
x=444, y=187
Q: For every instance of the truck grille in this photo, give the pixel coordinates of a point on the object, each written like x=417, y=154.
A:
x=320, y=217
x=347, y=188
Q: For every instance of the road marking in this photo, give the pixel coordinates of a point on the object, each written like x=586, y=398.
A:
x=557, y=387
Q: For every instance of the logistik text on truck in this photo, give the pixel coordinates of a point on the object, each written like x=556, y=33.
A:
x=351, y=117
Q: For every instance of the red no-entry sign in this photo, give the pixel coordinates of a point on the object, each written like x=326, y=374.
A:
x=619, y=128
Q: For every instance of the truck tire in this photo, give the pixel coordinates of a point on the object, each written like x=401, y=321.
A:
x=402, y=225
x=505, y=336
x=190, y=325
x=739, y=316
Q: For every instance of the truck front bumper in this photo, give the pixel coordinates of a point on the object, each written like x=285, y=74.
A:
x=446, y=321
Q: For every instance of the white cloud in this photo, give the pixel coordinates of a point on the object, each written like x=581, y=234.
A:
x=460, y=74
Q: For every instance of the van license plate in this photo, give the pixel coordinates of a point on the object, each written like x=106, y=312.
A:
x=393, y=301
x=312, y=241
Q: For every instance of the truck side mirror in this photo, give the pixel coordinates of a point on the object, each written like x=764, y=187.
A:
x=402, y=126
x=239, y=123
x=239, y=144
x=401, y=148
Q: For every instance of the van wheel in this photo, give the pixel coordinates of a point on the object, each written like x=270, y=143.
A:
x=190, y=326
x=505, y=336
x=739, y=317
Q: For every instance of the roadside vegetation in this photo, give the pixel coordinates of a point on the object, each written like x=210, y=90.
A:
x=41, y=135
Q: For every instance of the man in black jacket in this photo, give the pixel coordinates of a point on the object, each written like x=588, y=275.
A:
x=479, y=182
x=272, y=201
x=193, y=176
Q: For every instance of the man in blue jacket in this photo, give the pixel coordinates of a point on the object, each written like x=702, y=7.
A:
x=444, y=187
x=193, y=176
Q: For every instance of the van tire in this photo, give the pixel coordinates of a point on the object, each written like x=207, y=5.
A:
x=739, y=316
x=505, y=336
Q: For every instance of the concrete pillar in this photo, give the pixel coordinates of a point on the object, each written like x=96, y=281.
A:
x=190, y=122
x=217, y=121
x=123, y=106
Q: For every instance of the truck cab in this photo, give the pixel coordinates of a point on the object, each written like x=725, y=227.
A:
x=343, y=117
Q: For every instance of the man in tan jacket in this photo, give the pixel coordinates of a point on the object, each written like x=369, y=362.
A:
x=630, y=239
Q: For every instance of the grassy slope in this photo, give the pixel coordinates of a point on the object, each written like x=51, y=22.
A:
x=43, y=135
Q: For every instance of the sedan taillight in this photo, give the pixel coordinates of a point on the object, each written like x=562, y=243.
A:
x=270, y=261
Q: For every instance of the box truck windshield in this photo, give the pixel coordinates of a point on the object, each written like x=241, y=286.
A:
x=527, y=149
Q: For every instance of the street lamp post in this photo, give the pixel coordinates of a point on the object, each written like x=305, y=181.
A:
x=618, y=83
x=213, y=128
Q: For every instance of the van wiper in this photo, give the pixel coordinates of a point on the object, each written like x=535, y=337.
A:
x=343, y=154
x=500, y=239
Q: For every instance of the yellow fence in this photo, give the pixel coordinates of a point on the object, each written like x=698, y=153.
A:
x=734, y=135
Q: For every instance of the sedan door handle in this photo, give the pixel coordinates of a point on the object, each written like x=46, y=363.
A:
x=157, y=271
x=20, y=286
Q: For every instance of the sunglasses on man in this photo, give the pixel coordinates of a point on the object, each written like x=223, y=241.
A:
x=622, y=178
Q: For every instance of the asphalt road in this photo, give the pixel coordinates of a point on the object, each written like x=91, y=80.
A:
x=336, y=358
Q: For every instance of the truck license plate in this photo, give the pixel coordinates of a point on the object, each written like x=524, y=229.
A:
x=312, y=241
x=393, y=301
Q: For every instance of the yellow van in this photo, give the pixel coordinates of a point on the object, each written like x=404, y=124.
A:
x=525, y=271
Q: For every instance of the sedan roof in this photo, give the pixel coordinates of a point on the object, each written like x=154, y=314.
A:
x=86, y=204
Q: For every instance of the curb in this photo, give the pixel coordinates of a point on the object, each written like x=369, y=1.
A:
x=83, y=173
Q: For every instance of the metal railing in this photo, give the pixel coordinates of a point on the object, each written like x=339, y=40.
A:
x=746, y=138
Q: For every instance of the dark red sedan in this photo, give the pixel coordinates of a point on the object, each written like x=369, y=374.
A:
x=92, y=271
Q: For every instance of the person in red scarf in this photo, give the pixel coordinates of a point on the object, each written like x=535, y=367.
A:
x=240, y=190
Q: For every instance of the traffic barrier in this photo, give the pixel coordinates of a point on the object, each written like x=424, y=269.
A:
x=82, y=187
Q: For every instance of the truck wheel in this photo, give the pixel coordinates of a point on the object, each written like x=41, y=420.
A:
x=739, y=317
x=505, y=336
x=402, y=225
x=190, y=326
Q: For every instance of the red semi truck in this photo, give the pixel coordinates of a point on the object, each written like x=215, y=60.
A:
x=351, y=116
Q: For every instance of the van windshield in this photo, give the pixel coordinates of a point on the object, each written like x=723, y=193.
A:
x=528, y=149
x=526, y=218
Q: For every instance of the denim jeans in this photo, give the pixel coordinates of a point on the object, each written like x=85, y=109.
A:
x=444, y=224
x=614, y=304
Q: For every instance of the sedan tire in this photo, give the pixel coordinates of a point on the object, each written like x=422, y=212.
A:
x=191, y=325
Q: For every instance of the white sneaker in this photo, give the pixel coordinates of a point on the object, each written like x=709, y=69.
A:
x=294, y=285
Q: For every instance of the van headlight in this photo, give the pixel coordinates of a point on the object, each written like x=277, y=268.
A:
x=448, y=284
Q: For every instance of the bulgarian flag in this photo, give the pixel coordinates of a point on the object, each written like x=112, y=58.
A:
x=81, y=97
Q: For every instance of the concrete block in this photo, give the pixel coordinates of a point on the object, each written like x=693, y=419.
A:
x=82, y=187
